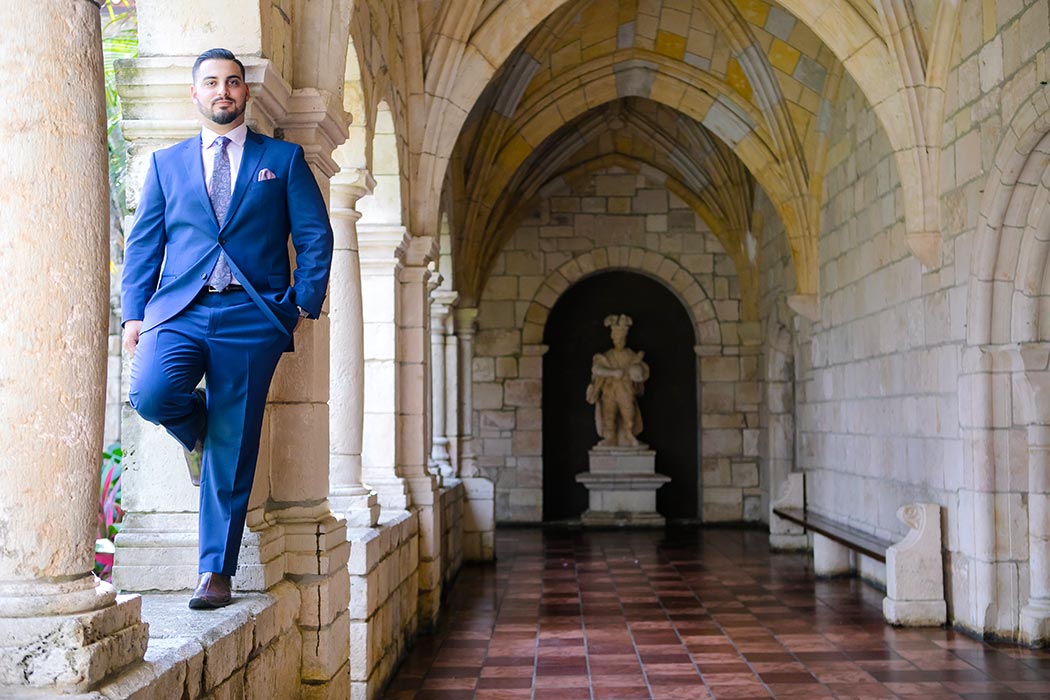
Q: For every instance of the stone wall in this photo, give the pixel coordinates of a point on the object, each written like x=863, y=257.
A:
x=612, y=219
x=996, y=89
x=877, y=398
x=896, y=404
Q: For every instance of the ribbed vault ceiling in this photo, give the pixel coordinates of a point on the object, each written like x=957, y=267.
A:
x=710, y=98
x=636, y=133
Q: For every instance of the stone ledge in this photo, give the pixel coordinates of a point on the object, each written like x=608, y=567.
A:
x=191, y=653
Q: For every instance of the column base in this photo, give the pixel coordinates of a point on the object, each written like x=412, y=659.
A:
x=441, y=459
x=468, y=458
x=359, y=507
x=1035, y=623
x=45, y=598
x=914, y=613
x=65, y=654
x=391, y=491
x=158, y=552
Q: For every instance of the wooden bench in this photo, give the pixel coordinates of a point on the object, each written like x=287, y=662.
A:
x=858, y=541
x=914, y=566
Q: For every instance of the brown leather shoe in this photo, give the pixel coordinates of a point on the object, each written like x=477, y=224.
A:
x=213, y=591
x=194, y=456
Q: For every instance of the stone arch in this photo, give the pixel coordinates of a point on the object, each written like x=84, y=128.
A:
x=320, y=35
x=1006, y=366
x=735, y=122
x=356, y=152
x=1003, y=279
x=385, y=205
x=902, y=102
x=634, y=162
x=503, y=31
x=881, y=47
x=668, y=272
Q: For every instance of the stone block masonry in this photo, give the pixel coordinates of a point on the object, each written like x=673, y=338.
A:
x=452, y=505
x=249, y=650
x=384, y=596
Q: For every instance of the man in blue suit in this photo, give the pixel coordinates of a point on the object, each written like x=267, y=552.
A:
x=207, y=292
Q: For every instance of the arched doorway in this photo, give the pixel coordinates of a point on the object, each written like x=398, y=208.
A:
x=574, y=333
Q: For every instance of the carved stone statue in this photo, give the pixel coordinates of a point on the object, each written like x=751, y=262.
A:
x=617, y=380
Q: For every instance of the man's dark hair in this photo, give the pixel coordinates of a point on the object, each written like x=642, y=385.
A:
x=212, y=54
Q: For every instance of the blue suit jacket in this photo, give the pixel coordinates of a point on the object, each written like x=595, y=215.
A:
x=176, y=239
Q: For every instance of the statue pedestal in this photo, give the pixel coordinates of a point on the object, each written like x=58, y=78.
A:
x=622, y=484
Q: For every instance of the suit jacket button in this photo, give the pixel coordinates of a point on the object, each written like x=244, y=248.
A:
x=222, y=240
x=204, y=277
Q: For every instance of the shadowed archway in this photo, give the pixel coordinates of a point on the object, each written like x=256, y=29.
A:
x=574, y=333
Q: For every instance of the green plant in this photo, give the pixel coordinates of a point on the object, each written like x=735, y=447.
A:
x=119, y=42
x=110, y=514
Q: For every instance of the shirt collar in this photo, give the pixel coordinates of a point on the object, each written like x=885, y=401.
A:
x=237, y=136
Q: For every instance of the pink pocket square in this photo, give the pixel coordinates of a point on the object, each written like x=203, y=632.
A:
x=266, y=174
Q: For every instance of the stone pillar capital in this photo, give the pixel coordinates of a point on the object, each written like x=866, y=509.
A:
x=443, y=300
x=805, y=305
x=466, y=320
x=315, y=120
x=421, y=251
x=348, y=186
x=435, y=281
x=382, y=245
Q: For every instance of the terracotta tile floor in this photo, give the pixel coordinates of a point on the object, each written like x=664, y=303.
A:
x=688, y=615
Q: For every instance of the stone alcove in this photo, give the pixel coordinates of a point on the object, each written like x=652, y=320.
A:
x=574, y=332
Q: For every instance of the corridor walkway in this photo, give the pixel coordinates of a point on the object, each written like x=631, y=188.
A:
x=687, y=616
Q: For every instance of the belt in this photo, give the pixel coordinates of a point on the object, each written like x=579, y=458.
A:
x=229, y=288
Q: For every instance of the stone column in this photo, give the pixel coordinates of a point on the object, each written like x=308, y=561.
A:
x=348, y=495
x=984, y=422
x=1035, y=615
x=315, y=546
x=61, y=629
x=433, y=283
x=465, y=322
x=413, y=438
x=381, y=247
x=440, y=312
x=157, y=546
x=452, y=392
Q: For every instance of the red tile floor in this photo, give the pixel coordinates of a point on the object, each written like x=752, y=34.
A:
x=687, y=615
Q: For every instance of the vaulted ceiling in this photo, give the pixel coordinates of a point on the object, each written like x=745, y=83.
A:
x=493, y=99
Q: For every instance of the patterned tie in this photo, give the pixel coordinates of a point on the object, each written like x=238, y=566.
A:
x=221, y=276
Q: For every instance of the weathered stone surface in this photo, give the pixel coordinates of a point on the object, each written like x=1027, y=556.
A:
x=915, y=570
x=71, y=652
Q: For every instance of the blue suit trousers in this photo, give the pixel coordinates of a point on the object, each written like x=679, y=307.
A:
x=226, y=339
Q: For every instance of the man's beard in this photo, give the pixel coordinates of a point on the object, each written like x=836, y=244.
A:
x=223, y=116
